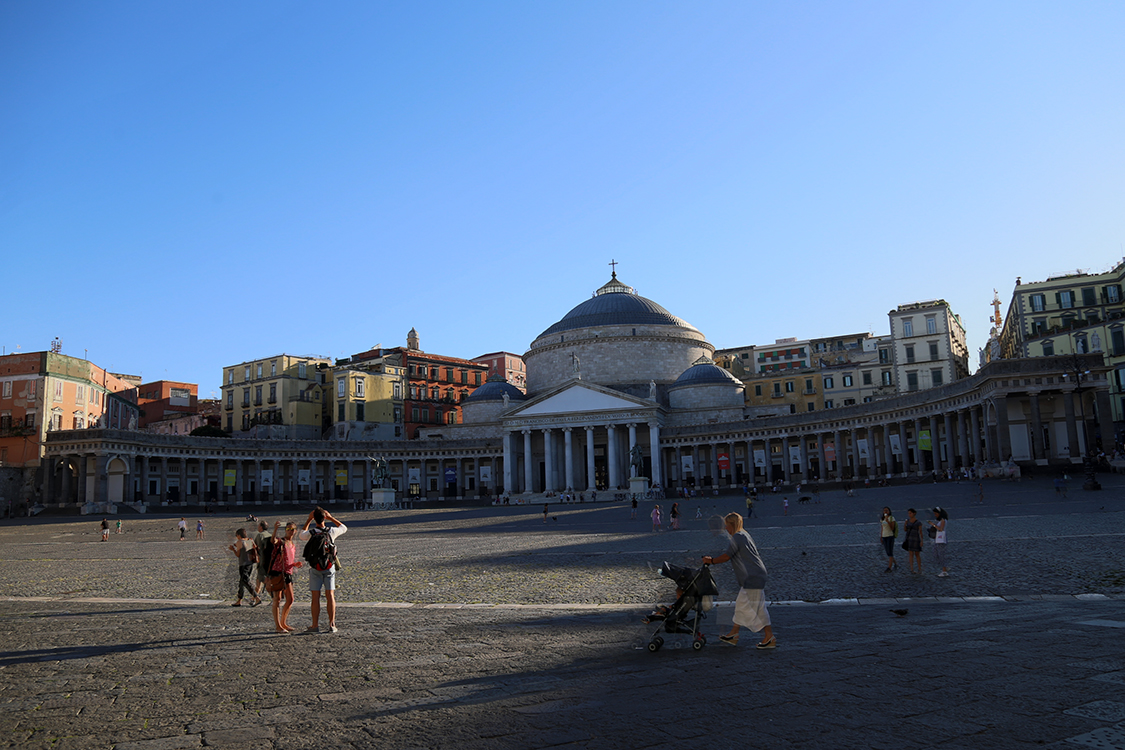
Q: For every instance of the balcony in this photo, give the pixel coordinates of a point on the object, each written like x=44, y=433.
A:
x=810, y=391
x=271, y=400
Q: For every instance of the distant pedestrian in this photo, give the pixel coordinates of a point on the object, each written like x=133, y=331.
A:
x=263, y=541
x=888, y=531
x=105, y=530
x=199, y=529
x=118, y=526
x=785, y=506
x=656, y=518
x=980, y=493
x=750, y=572
x=937, y=532
x=749, y=506
x=674, y=514
x=241, y=549
x=698, y=512
x=546, y=510
x=912, y=542
x=634, y=514
x=182, y=526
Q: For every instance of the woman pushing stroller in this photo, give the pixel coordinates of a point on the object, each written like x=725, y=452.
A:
x=750, y=572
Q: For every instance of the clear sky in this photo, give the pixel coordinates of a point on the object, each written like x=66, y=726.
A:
x=188, y=185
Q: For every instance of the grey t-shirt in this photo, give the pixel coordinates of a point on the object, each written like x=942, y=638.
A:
x=749, y=570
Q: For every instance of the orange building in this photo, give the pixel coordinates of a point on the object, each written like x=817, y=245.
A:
x=162, y=400
x=507, y=365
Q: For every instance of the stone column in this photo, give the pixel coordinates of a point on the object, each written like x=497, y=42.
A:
x=841, y=452
x=1105, y=420
x=821, y=463
x=183, y=477
x=975, y=434
x=508, y=437
x=1036, y=427
x=568, y=457
x=590, y=475
x=804, y=457
x=989, y=451
x=548, y=461
x=64, y=491
x=528, y=476
x=1003, y=434
x=101, y=480
x=164, y=478
x=786, y=464
x=1071, y=426
x=657, y=455
x=713, y=448
x=962, y=438
x=888, y=456
x=632, y=444
x=237, y=480
x=696, y=479
x=611, y=457
x=146, y=462
x=83, y=478
x=855, y=452
x=935, y=441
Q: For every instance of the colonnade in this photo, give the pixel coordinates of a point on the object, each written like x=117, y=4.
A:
x=569, y=457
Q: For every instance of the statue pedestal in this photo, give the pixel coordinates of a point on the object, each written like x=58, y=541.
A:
x=383, y=498
x=638, y=485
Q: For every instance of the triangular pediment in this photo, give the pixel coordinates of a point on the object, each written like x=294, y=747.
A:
x=580, y=398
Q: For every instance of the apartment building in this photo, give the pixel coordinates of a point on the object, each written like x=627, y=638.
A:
x=928, y=346
x=507, y=365
x=281, y=396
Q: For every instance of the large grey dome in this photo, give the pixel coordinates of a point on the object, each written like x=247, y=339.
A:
x=616, y=305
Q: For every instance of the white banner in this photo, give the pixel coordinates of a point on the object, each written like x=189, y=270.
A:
x=759, y=458
x=896, y=446
x=486, y=474
x=414, y=476
x=862, y=443
x=267, y=478
x=794, y=454
x=303, y=477
x=686, y=464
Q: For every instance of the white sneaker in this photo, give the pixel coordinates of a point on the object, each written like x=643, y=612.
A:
x=943, y=574
x=333, y=629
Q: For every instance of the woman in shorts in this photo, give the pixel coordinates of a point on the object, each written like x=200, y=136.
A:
x=284, y=563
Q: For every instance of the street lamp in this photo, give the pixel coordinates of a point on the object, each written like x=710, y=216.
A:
x=1089, y=465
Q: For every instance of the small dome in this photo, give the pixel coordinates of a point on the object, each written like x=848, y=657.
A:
x=616, y=304
x=494, y=389
x=705, y=372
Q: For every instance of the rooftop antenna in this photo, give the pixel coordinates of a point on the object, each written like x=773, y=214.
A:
x=56, y=345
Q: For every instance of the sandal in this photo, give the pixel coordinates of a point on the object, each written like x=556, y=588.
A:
x=771, y=643
x=732, y=640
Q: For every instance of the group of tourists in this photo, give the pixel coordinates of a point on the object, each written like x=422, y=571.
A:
x=274, y=556
x=913, y=538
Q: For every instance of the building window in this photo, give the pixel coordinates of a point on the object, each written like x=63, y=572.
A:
x=302, y=370
x=886, y=377
x=789, y=386
x=451, y=417
x=230, y=423
x=7, y=389
x=867, y=399
x=777, y=389
x=1117, y=339
x=273, y=369
x=911, y=381
x=936, y=377
x=341, y=388
x=1089, y=298
x=849, y=402
x=247, y=373
x=933, y=351
x=847, y=381
x=907, y=327
x=476, y=378
x=828, y=403
x=398, y=390
x=230, y=376
x=884, y=356
x=1039, y=325
x=360, y=415
x=259, y=370
x=1065, y=299
x=828, y=383
x=1038, y=303
x=435, y=393
x=1048, y=349
x=29, y=420
x=931, y=324
x=758, y=390
x=811, y=406
x=258, y=395
x=245, y=397
x=341, y=411
x=230, y=399
x=867, y=378
x=910, y=354
x=1113, y=294
x=809, y=385
x=425, y=415
x=58, y=390
x=359, y=389
x=414, y=414
x=273, y=393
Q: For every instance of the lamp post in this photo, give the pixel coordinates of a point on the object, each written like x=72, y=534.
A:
x=1089, y=465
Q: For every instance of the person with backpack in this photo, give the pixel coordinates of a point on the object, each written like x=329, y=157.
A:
x=320, y=553
x=247, y=555
x=888, y=531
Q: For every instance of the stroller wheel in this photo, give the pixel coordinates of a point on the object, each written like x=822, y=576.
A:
x=698, y=645
x=655, y=644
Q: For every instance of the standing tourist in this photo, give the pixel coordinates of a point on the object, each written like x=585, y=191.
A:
x=913, y=540
x=750, y=572
x=320, y=552
x=937, y=531
x=656, y=518
x=199, y=529
x=241, y=549
x=105, y=530
x=182, y=526
x=888, y=532
x=674, y=514
x=634, y=514
x=263, y=540
x=546, y=510
x=284, y=561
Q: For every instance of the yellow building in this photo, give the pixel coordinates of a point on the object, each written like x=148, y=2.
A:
x=1078, y=313
x=277, y=397
x=366, y=399
x=799, y=390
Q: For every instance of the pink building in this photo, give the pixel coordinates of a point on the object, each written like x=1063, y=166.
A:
x=508, y=365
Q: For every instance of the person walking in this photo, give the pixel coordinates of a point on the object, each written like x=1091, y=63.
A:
x=118, y=526
x=105, y=530
x=634, y=514
x=656, y=518
x=241, y=549
x=888, y=532
x=199, y=529
x=749, y=505
x=750, y=572
x=912, y=542
x=320, y=551
x=546, y=510
x=263, y=541
x=282, y=564
x=785, y=506
x=937, y=532
x=674, y=514
x=182, y=526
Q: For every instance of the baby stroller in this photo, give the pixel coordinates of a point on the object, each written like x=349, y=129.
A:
x=695, y=589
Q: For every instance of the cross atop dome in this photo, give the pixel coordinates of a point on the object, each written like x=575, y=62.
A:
x=613, y=286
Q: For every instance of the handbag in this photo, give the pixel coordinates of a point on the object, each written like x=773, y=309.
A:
x=904, y=544
x=275, y=581
x=932, y=532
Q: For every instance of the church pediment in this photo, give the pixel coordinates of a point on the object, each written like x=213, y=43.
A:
x=579, y=398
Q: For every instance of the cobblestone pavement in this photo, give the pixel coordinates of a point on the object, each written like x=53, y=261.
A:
x=499, y=631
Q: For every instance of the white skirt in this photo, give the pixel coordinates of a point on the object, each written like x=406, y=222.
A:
x=750, y=610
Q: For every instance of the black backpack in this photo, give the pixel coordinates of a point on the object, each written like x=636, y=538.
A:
x=320, y=552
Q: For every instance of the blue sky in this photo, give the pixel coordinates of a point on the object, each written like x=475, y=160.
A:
x=185, y=186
